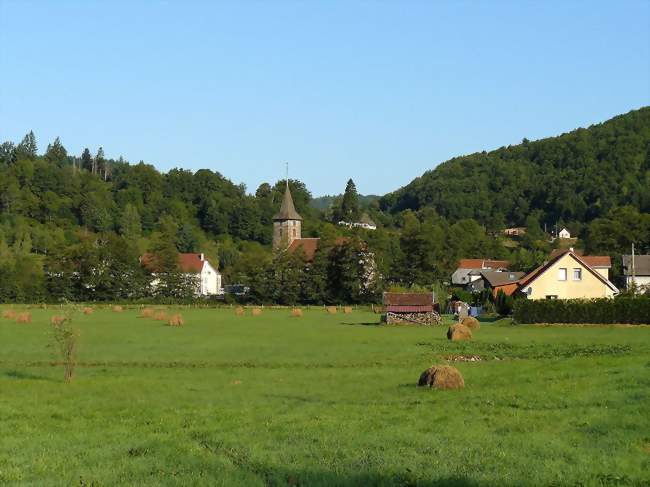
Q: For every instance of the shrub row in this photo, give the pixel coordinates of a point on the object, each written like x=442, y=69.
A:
x=603, y=310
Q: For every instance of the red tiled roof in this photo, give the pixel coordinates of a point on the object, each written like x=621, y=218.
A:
x=482, y=263
x=190, y=263
x=408, y=299
x=309, y=246
x=597, y=260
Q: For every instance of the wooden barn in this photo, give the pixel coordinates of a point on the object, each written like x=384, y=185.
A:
x=410, y=308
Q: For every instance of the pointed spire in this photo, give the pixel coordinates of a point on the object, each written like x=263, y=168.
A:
x=287, y=210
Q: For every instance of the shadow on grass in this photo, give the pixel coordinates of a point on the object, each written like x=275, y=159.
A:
x=19, y=374
x=373, y=323
x=360, y=473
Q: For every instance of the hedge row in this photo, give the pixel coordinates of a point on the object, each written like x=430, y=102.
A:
x=603, y=310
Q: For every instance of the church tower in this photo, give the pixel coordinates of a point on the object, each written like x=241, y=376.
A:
x=287, y=223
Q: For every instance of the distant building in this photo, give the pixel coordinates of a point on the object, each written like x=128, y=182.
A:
x=469, y=270
x=410, y=308
x=287, y=223
x=514, y=232
x=637, y=272
x=207, y=277
x=566, y=276
x=364, y=222
x=564, y=233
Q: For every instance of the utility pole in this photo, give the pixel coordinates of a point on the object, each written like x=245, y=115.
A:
x=633, y=271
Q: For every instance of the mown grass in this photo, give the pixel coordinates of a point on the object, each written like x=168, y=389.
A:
x=321, y=400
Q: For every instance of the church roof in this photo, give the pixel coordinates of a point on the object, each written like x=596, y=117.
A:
x=287, y=210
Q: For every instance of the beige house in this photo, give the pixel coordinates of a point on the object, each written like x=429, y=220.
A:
x=567, y=276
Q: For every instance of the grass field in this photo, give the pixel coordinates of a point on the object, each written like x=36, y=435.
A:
x=321, y=400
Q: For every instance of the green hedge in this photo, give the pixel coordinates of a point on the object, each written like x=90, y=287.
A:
x=604, y=310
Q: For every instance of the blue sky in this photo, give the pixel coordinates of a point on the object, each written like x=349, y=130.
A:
x=378, y=91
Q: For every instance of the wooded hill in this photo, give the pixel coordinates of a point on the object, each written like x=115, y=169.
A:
x=572, y=179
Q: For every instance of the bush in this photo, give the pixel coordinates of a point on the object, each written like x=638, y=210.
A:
x=602, y=310
x=503, y=303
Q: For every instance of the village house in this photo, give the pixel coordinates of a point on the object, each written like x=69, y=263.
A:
x=364, y=222
x=196, y=266
x=600, y=263
x=566, y=275
x=564, y=234
x=514, y=232
x=506, y=281
x=469, y=270
x=636, y=270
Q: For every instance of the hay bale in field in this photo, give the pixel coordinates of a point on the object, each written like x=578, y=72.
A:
x=9, y=313
x=257, y=311
x=239, y=311
x=117, y=309
x=442, y=377
x=56, y=320
x=459, y=332
x=88, y=311
x=176, y=320
x=331, y=310
x=296, y=313
x=160, y=316
x=24, y=318
x=471, y=323
x=147, y=313
x=347, y=310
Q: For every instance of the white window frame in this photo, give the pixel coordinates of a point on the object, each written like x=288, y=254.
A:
x=559, y=274
x=579, y=272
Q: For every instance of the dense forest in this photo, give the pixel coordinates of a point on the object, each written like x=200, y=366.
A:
x=568, y=180
x=73, y=227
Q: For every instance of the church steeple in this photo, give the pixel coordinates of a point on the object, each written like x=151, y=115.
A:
x=287, y=222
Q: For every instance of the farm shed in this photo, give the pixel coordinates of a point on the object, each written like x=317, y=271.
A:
x=410, y=308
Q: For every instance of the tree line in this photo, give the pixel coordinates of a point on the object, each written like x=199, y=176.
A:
x=74, y=227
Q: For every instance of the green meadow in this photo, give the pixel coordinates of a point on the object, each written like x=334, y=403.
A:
x=320, y=400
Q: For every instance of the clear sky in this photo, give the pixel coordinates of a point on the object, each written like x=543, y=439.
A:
x=378, y=91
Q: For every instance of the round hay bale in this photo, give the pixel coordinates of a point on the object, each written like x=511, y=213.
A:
x=331, y=310
x=296, y=313
x=9, y=313
x=24, y=318
x=88, y=311
x=256, y=311
x=117, y=309
x=442, y=377
x=459, y=332
x=176, y=320
x=239, y=311
x=471, y=323
x=147, y=313
x=160, y=316
x=347, y=310
x=56, y=320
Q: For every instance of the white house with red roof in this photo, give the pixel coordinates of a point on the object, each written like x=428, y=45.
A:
x=208, y=278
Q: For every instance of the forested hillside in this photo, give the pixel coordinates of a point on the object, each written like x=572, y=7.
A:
x=571, y=179
x=74, y=227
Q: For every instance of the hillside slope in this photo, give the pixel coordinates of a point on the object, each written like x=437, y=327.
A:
x=577, y=176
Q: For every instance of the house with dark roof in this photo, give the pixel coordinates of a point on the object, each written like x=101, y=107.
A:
x=636, y=270
x=566, y=276
x=196, y=266
x=506, y=281
x=469, y=270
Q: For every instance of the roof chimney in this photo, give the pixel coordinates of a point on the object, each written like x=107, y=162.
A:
x=571, y=249
x=202, y=257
